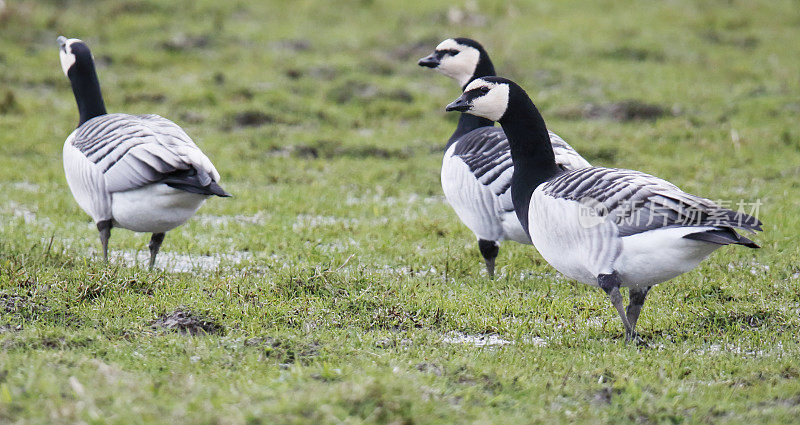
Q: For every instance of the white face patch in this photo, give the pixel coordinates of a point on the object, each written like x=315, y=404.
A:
x=493, y=104
x=66, y=55
x=460, y=66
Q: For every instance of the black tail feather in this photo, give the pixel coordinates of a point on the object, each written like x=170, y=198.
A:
x=722, y=236
x=189, y=181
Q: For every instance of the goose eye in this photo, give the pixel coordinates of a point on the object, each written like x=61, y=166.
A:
x=483, y=90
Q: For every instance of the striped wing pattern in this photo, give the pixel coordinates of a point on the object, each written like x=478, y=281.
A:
x=132, y=151
x=637, y=202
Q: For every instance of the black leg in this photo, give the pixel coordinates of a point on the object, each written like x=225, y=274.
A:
x=104, y=227
x=489, y=250
x=155, y=244
x=610, y=284
x=637, y=296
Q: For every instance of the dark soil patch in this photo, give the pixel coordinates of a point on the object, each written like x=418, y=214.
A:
x=285, y=351
x=740, y=320
x=395, y=318
x=22, y=306
x=252, y=118
x=8, y=103
x=328, y=149
x=604, y=155
x=185, y=42
x=603, y=396
x=637, y=54
x=193, y=117
x=623, y=111
x=741, y=41
x=294, y=45
x=430, y=368
x=366, y=92
x=185, y=321
x=145, y=97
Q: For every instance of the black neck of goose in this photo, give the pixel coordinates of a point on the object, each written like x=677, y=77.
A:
x=531, y=153
x=86, y=88
x=467, y=122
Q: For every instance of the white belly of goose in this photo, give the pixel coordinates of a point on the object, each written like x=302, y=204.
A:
x=582, y=249
x=154, y=208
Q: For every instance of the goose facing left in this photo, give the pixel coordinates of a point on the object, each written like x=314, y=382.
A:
x=604, y=227
x=136, y=172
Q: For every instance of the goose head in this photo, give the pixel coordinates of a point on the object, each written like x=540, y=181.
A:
x=461, y=59
x=487, y=97
x=74, y=54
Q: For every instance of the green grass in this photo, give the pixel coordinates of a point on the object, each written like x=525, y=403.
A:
x=342, y=272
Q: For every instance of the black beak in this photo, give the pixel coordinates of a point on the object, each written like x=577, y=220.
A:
x=62, y=41
x=429, y=61
x=461, y=104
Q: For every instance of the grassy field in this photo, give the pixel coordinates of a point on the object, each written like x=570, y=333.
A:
x=337, y=286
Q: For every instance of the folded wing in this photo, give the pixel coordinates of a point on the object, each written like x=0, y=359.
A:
x=133, y=151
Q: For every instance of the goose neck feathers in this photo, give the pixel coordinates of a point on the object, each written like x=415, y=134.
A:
x=527, y=133
x=80, y=69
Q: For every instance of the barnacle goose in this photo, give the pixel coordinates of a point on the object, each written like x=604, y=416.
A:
x=477, y=168
x=604, y=227
x=137, y=172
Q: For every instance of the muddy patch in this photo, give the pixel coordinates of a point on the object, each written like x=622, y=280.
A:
x=736, y=39
x=145, y=98
x=623, y=111
x=328, y=149
x=365, y=92
x=185, y=321
x=8, y=103
x=285, y=351
x=21, y=306
x=193, y=117
x=638, y=54
x=292, y=44
x=252, y=119
x=604, y=395
x=432, y=368
x=183, y=42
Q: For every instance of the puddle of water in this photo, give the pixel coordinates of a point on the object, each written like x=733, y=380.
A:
x=475, y=340
x=479, y=340
x=181, y=263
x=218, y=220
x=307, y=221
x=25, y=186
x=716, y=349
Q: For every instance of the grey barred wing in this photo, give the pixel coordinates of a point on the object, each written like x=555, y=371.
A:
x=637, y=202
x=486, y=152
x=136, y=150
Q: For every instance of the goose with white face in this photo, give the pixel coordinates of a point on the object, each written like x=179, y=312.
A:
x=65, y=52
x=453, y=59
x=483, y=98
